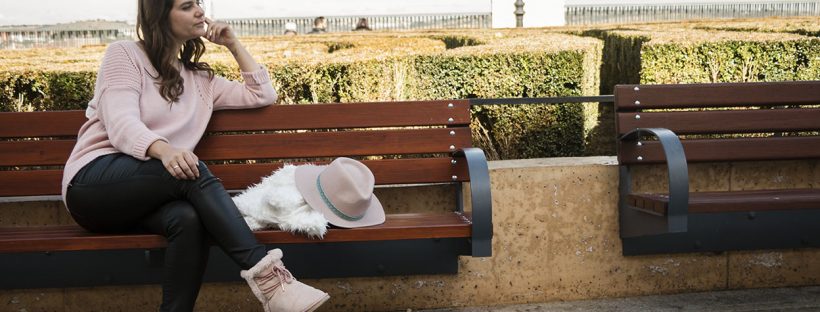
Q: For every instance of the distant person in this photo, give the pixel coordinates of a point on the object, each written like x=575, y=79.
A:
x=362, y=25
x=319, y=26
x=290, y=29
x=133, y=166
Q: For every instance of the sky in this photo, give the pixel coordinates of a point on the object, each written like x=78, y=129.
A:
x=35, y=12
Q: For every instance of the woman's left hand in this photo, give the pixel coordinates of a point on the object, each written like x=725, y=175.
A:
x=220, y=33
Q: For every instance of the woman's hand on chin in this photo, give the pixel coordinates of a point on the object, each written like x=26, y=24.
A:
x=220, y=33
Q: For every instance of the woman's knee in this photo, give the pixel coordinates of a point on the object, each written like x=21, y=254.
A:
x=205, y=176
x=182, y=219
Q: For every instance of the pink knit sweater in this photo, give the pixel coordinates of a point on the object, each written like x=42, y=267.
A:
x=128, y=114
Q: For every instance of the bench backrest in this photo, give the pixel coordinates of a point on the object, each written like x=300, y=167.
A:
x=405, y=142
x=772, y=120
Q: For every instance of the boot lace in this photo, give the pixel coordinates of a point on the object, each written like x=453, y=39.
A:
x=283, y=274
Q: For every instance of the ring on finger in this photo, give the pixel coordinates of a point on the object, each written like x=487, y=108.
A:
x=175, y=167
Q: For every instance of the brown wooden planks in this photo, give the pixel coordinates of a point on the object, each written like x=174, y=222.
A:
x=30, y=182
x=346, y=115
x=278, y=145
x=705, y=150
x=33, y=153
x=396, y=227
x=329, y=144
x=274, y=117
x=240, y=176
x=392, y=171
x=711, y=202
x=716, y=95
x=730, y=121
x=40, y=124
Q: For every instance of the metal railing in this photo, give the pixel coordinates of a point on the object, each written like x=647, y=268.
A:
x=630, y=13
x=276, y=26
x=544, y=100
x=50, y=38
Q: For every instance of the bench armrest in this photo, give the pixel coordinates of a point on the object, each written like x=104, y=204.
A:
x=678, y=172
x=482, y=205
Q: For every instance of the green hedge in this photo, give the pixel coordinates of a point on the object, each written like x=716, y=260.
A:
x=697, y=56
x=505, y=132
x=732, y=61
x=392, y=67
x=40, y=91
x=801, y=25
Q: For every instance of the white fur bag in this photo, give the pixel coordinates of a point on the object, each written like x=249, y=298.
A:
x=275, y=202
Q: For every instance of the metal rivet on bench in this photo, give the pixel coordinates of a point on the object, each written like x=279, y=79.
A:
x=637, y=102
x=450, y=119
x=453, y=162
x=450, y=105
x=452, y=147
x=640, y=143
x=637, y=116
x=637, y=89
x=640, y=158
x=455, y=178
x=452, y=132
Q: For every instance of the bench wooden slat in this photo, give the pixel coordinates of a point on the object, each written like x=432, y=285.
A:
x=716, y=95
x=733, y=121
x=240, y=176
x=711, y=202
x=41, y=124
x=743, y=149
x=278, y=145
x=347, y=115
x=275, y=117
x=396, y=227
x=393, y=171
x=30, y=182
x=32, y=153
x=330, y=144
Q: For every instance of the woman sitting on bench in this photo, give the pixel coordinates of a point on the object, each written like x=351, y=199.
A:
x=134, y=168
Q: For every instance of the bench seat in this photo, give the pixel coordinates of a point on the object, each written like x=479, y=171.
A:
x=74, y=238
x=408, y=145
x=715, y=202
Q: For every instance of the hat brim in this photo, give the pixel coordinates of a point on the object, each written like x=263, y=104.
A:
x=306, y=176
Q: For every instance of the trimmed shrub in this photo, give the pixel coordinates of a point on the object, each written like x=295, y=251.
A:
x=698, y=56
x=41, y=91
x=403, y=66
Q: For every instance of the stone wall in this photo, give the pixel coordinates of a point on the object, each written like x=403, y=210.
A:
x=556, y=238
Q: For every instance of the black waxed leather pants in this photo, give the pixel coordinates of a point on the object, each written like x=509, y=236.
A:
x=118, y=193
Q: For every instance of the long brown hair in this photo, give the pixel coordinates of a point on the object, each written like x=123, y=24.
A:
x=154, y=31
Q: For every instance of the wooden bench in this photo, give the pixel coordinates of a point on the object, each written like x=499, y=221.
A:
x=406, y=144
x=724, y=123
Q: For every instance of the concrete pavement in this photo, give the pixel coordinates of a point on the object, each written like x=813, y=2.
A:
x=801, y=299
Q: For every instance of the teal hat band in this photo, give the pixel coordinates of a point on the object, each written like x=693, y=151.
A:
x=330, y=205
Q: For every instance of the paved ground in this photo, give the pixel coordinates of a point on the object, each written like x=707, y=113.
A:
x=801, y=299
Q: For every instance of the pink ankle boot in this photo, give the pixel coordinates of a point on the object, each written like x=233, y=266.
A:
x=278, y=290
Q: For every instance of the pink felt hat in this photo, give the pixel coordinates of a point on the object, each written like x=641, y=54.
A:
x=342, y=191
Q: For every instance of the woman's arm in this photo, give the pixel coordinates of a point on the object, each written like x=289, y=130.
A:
x=221, y=33
x=182, y=164
x=118, y=107
x=119, y=112
x=257, y=90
